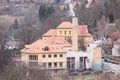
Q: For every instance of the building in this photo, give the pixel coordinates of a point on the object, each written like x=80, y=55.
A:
x=116, y=48
x=56, y=54
x=46, y=54
x=83, y=60
x=65, y=29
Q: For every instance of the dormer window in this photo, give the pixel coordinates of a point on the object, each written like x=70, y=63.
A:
x=46, y=49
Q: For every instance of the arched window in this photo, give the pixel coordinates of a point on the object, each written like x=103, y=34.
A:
x=46, y=49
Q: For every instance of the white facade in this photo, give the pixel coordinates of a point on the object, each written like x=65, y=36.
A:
x=116, y=49
x=88, y=55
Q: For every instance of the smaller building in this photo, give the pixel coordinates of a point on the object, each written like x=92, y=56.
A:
x=65, y=30
x=83, y=60
x=116, y=48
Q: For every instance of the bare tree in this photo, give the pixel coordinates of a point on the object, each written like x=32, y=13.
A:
x=3, y=53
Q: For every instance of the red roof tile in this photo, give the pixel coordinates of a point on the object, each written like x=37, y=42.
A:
x=59, y=41
x=55, y=44
x=50, y=33
x=65, y=24
x=114, y=35
x=83, y=30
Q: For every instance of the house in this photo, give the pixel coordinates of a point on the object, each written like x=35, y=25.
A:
x=65, y=30
x=116, y=48
x=46, y=54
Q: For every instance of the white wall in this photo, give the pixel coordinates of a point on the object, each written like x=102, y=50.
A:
x=115, y=51
x=88, y=54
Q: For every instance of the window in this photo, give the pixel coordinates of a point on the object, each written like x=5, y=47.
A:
x=46, y=49
x=43, y=56
x=61, y=55
x=61, y=32
x=33, y=57
x=55, y=55
x=69, y=32
x=70, y=63
x=33, y=64
x=44, y=65
x=60, y=64
x=49, y=56
x=49, y=65
x=65, y=32
x=55, y=65
x=55, y=71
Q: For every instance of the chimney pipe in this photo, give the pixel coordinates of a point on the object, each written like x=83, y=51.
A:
x=74, y=34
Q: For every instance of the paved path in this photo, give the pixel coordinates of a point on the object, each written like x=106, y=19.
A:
x=113, y=67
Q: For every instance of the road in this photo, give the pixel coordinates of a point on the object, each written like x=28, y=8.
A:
x=112, y=67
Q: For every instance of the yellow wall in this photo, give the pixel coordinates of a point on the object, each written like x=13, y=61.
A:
x=66, y=36
x=25, y=58
x=97, y=55
x=86, y=39
x=63, y=32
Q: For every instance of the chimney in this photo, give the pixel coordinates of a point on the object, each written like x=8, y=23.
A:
x=74, y=34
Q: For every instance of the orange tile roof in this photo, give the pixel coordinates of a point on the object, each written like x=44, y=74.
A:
x=59, y=41
x=55, y=44
x=65, y=24
x=51, y=32
x=114, y=35
x=83, y=30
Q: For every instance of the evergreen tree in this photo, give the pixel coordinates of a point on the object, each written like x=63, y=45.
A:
x=57, y=1
x=15, y=26
x=8, y=1
x=45, y=11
